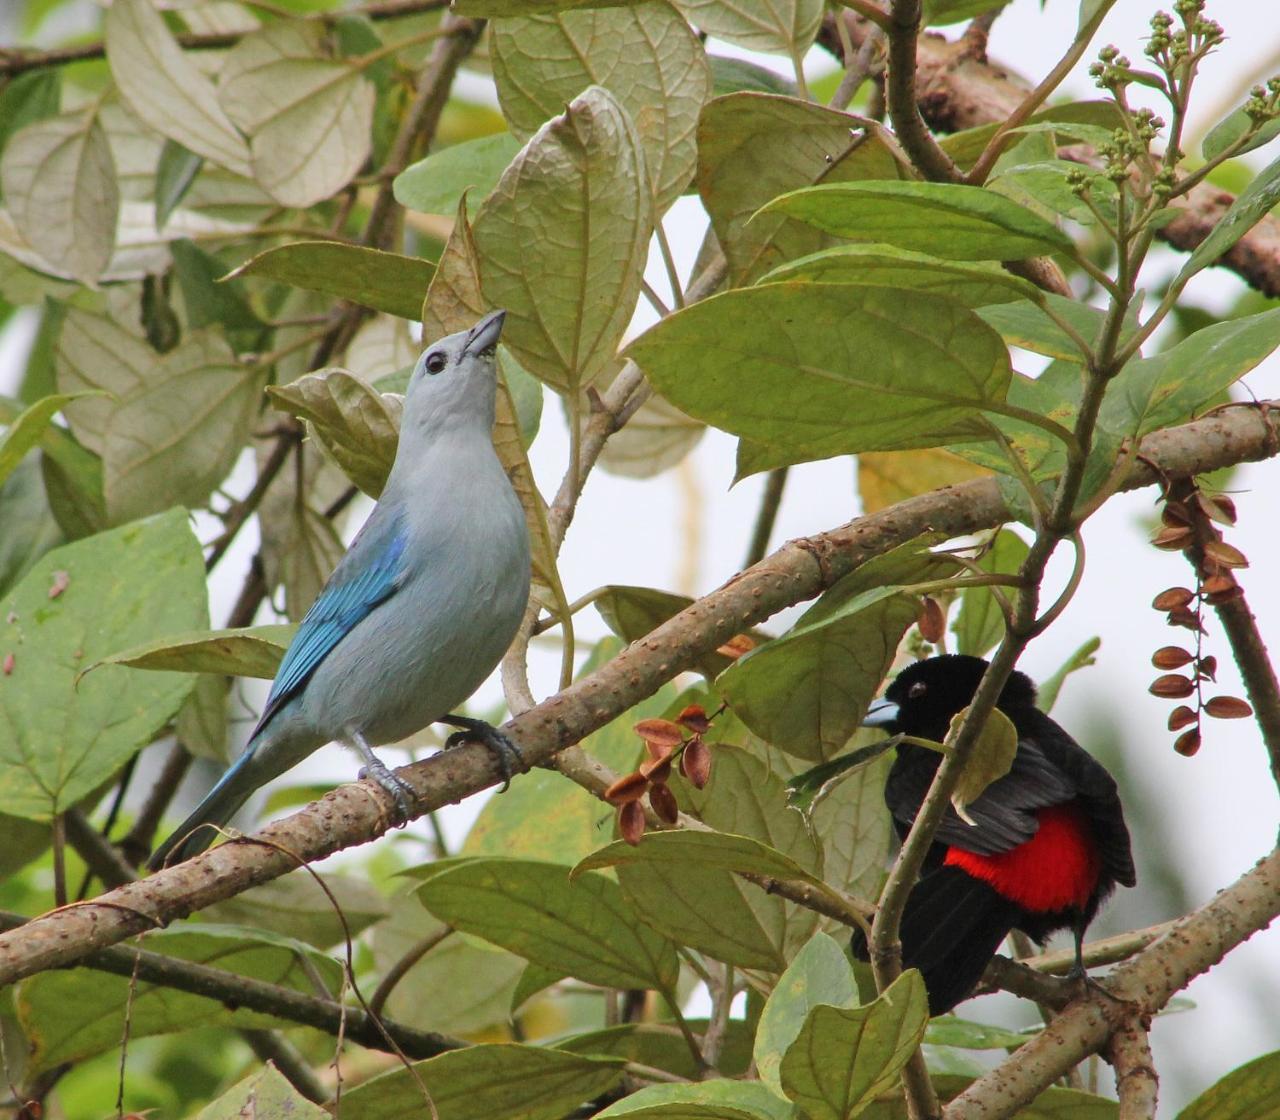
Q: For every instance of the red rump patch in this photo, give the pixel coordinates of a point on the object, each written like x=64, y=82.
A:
x=1056, y=869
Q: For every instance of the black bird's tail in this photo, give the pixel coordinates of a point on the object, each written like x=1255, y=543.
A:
x=951, y=928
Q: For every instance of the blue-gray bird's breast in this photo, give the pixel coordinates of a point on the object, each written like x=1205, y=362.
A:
x=422, y=653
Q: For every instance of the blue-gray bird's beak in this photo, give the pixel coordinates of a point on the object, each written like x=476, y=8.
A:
x=483, y=337
x=882, y=713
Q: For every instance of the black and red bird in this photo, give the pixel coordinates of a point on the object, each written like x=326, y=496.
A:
x=1047, y=846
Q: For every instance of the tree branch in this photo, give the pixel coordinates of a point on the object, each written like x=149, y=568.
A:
x=900, y=94
x=1140, y=986
x=360, y=811
x=1137, y=1083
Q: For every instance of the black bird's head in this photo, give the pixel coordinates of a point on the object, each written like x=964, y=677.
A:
x=925, y=696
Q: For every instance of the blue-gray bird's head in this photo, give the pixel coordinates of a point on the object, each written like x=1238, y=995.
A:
x=454, y=380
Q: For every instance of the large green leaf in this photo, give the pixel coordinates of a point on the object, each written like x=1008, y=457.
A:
x=583, y=928
x=486, y=1082
x=717, y=1099
x=973, y=284
x=843, y=1058
x=384, y=281
x=753, y=147
x=1250, y=1092
x=819, y=974
x=25, y=432
x=254, y=651
x=165, y=88
x=661, y=1046
x=30, y=528
x=308, y=116
x=645, y=55
x=581, y=184
x=319, y=910
x=785, y=27
x=692, y=847
x=435, y=185
x=979, y=625
x=60, y=739
x=1253, y=203
x=168, y=427
x=73, y=1014
x=949, y=220
x=792, y=366
x=264, y=1095
x=850, y=819
x=807, y=691
x=62, y=193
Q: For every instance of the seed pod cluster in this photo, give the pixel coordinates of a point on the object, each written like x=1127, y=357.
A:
x=1189, y=520
x=668, y=743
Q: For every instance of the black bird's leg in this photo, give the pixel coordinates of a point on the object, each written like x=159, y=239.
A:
x=510, y=757
x=401, y=792
x=1078, y=925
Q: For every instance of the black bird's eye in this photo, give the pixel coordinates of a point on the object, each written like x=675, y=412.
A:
x=434, y=363
x=917, y=690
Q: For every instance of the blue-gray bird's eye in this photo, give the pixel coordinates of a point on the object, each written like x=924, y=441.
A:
x=435, y=363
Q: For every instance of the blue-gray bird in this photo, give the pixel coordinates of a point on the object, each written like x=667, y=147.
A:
x=419, y=610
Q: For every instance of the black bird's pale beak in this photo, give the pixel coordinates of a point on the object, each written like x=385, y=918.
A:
x=484, y=335
x=882, y=713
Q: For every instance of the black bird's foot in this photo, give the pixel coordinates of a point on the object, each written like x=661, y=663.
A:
x=401, y=792
x=509, y=756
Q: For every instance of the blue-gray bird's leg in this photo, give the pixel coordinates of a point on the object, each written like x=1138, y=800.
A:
x=374, y=768
x=510, y=757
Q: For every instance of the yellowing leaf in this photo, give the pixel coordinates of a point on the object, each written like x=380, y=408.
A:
x=991, y=759
x=888, y=477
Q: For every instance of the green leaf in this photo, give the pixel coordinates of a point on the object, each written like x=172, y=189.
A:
x=785, y=27
x=498, y=9
x=685, y=848
x=661, y=1046
x=580, y=183
x=966, y=146
x=885, y=266
x=384, y=281
x=784, y=365
x=806, y=785
x=940, y=13
x=1152, y=393
x=255, y=651
x=737, y=75
x=1082, y=658
x=807, y=691
x=435, y=185
x=1257, y=200
x=263, y=1095
x=582, y=928
x=753, y=147
x=541, y=62
x=73, y=1014
x=25, y=432
x=948, y=1030
x=1029, y=326
x=843, y=1058
x=850, y=818
x=486, y=1082
x=165, y=89
x=717, y=1099
x=992, y=758
x=356, y=424
x=30, y=528
x=715, y=911
x=1052, y=1104
x=207, y=299
x=62, y=193
x=1250, y=1092
x=123, y=586
x=819, y=974
x=308, y=116
x=1232, y=128
x=201, y=723
x=979, y=626
x=28, y=98
x=948, y=219
x=175, y=173
x=296, y=906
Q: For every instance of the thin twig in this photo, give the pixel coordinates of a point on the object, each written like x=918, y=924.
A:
x=400, y=969
x=774, y=483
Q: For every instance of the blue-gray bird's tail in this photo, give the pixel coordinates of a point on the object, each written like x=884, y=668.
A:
x=219, y=805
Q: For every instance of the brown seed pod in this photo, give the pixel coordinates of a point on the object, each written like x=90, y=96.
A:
x=657, y=770
x=1188, y=742
x=1228, y=707
x=664, y=802
x=931, y=621
x=695, y=718
x=736, y=646
x=1187, y=619
x=1175, y=513
x=695, y=763
x=1172, y=686
x=1219, y=508
x=1171, y=657
x=628, y=788
x=1235, y=591
x=1172, y=598
x=1216, y=584
x=1225, y=555
x=1173, y=538
x=1207, y=667
x=1181, y=717
x=631, y=822
x=660, y=732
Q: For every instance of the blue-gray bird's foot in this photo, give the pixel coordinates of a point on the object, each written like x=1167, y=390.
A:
x=401, y=792
x=510, y=757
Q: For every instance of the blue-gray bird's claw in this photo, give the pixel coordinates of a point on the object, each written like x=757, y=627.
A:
x=401, y=792
x=508, y=755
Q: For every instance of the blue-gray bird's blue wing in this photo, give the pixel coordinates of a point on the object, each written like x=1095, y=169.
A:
x=367, y=575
